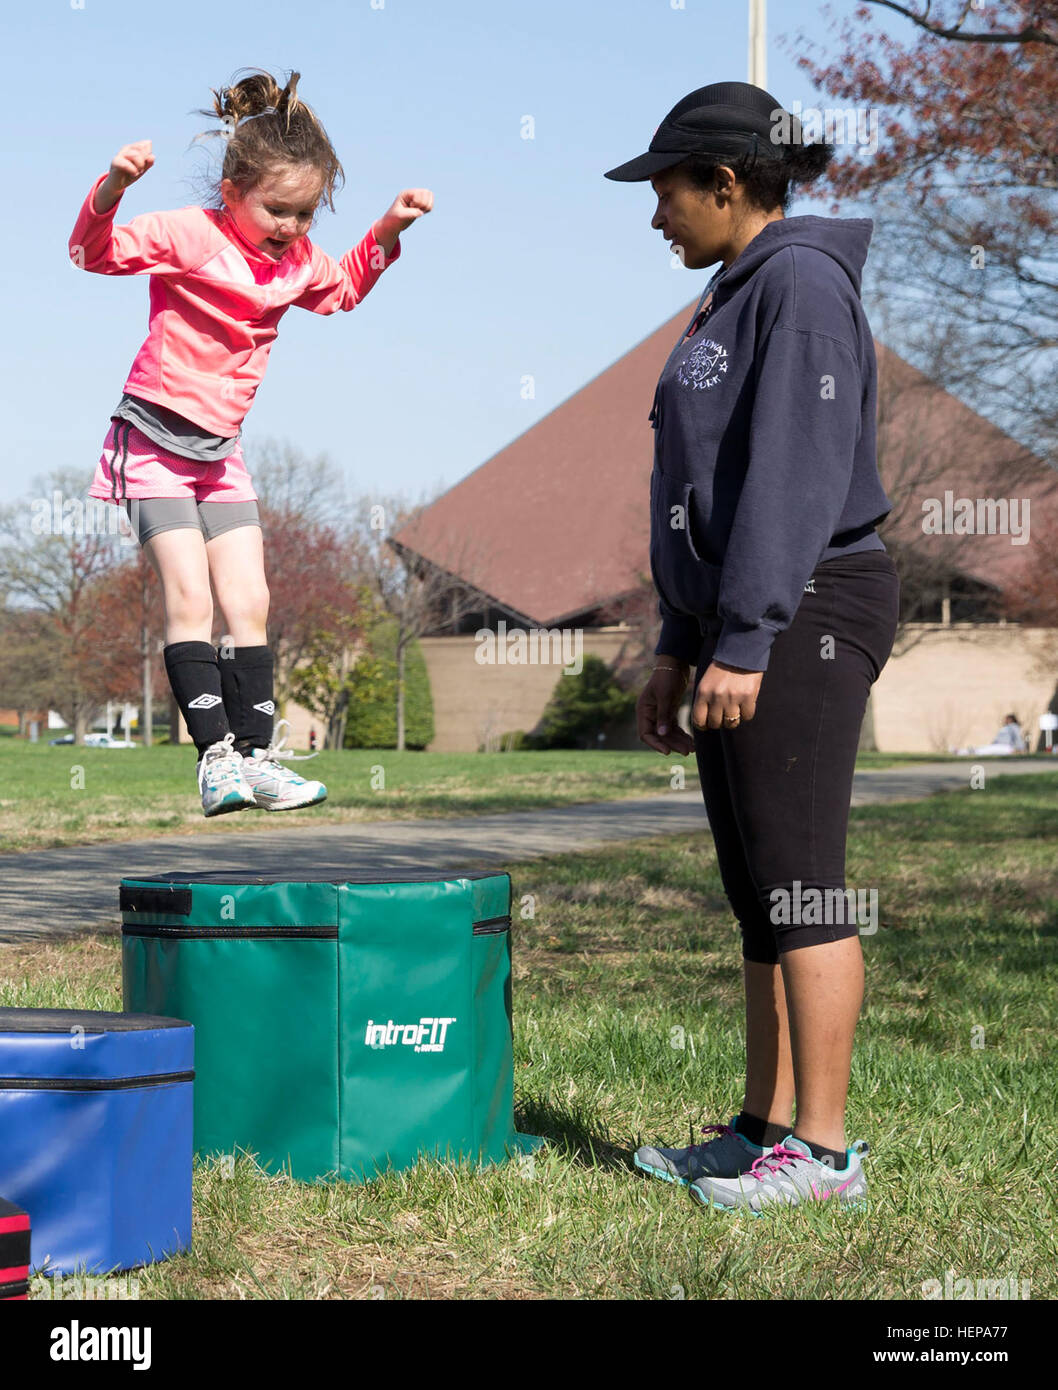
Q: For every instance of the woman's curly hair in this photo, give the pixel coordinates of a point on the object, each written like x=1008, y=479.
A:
x=268, y=128
x=768, y=182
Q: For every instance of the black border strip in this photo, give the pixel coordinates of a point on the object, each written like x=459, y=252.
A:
x=169, y=901
x=93, y=1083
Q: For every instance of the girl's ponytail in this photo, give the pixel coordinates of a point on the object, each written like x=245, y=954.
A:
x=267, y=127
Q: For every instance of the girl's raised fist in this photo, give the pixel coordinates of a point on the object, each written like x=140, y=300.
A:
x=130, y=163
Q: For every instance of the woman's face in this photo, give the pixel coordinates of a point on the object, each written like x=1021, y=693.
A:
x=277, y=211
x=703, y=224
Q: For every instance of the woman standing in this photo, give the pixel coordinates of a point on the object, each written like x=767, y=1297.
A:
x=776, y=590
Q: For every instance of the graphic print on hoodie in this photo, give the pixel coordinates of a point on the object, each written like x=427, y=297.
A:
x=764, y=445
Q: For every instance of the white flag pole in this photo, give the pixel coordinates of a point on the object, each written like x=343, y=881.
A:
x=758, y=43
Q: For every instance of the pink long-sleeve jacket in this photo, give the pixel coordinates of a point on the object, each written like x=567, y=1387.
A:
x=215, y=301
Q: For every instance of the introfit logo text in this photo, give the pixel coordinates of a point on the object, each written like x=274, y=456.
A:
x=409, y=1034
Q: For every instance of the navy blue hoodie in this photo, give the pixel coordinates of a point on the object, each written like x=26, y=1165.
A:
x=764, y=445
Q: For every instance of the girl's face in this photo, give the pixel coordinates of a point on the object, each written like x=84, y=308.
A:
x=277, y=211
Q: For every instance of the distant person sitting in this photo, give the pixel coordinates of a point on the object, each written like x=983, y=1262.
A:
x=1009, y=739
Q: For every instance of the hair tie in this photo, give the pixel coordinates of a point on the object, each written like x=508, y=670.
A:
x=229, y=123
x=268, y=111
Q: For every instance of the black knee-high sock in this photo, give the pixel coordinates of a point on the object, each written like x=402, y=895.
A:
x=195, y=681
x=246, y=678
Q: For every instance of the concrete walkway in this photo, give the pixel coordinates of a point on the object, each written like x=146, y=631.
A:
x=50, y=893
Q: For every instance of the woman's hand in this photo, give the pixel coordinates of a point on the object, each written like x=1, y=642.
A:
x=726, y=697
x=658, y=706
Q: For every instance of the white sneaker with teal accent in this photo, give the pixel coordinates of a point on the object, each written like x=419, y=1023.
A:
x=275, y=787
x=221, y=781
x=788, y=1176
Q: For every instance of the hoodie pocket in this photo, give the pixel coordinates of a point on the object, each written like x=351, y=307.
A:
x=684, y=581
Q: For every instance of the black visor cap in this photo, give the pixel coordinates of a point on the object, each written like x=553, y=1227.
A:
x=727, y=119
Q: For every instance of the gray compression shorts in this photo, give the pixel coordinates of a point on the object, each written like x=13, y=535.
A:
x=151, y=515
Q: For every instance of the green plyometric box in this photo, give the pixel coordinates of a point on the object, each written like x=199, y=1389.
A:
x=343, y=1027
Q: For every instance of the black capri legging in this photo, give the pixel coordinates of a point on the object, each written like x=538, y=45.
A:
x=777, y=789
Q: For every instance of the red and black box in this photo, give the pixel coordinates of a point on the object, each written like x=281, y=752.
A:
x=14, y=1251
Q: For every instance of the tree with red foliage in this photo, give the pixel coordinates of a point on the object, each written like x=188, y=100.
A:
x=316, y=609
x=125, y=633
x=1033, y=597
x=964, y=191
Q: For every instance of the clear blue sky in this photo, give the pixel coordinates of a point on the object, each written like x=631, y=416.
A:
x=530, y=264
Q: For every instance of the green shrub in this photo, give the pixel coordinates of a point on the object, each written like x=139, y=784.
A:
x=580, y=706
x=371, y=720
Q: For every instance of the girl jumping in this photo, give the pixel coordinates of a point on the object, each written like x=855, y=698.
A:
x=222, y=276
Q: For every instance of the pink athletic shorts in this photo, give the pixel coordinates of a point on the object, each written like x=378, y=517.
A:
x=131, y=465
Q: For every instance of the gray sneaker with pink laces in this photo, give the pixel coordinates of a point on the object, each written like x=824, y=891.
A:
x=788, y=1176
x=725, y=1156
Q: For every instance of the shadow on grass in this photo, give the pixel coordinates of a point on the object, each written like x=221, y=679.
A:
x=574, y=1131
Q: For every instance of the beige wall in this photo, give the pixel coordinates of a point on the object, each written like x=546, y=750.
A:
x=953, y=687
x=473, y=703
x=949, y=689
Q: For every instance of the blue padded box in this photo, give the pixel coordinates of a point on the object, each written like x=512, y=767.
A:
x=95, y=1135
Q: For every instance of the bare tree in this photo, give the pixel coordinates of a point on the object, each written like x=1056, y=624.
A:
x=1032, y=32
x=320, y=683
x=27, y=675
x=311, y=563
x=299, y=488
x=962, y=190
x=418, y=594
x=53, y=549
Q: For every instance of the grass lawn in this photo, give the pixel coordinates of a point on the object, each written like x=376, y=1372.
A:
x=65, y=795
x=953, y=1085
x=140, y=792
